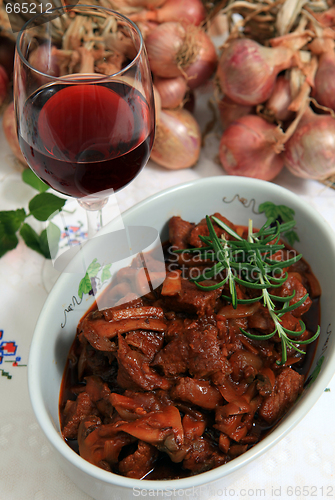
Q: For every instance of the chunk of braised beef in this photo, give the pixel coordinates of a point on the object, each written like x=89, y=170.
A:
x=192, y=299
x=100, y=395
x=204, y=355
x=203, y=455
x=198, y=392
x=262, y=321
x=149, y=343
x=292, y=285
x=97, y=331
x=173, y=359
x=287, y=388
x=179, y=232
x=196, y=351
x=95, y=362
x=202, y=229
x=140, y=463
x=74, y=412
x=134, y=371
x=132, y=405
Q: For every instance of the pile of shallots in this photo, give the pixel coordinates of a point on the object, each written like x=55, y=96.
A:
x=182, y=57
x=277, y=93
x=278, y=101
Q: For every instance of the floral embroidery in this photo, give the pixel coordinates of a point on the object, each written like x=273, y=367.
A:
x=8, y=350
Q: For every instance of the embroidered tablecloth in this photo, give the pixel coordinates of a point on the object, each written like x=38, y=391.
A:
x=301, y=465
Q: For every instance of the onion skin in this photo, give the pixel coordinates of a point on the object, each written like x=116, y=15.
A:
x=151, y=4
x=158, y=103
x=178, y=50
x=231, y=111
x=310, y=152
x=183, y=11
x=205, y=64
x=281, y=98
x=44, y=61
x=171, y=90
x=178, y=140
x=9, y=128
x=247, y=71
x=250, y=147
x=324, y=91
x=162, y=44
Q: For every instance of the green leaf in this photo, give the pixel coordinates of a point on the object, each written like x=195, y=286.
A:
x=291, y=237
x=274, y=211
x=43, y=205
x=286, y=213
x=8, y=241
x=85, y=286
x=106, y=274
x=31, y=238
x=30, y=178
x=49, y=240
x=93, y=269
x=11, y=220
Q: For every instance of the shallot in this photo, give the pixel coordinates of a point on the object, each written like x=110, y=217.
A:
x=324, y=90
x=177, y=50
x=44, y=60
x=184, y=11
x=9, y=128
x=247, y=71
x=310, y=152
x=251, y=147
x=178, y=140
x=280, y=99
x=231, y=111
x=150, y=4
x=171, y=90
x=158, y=103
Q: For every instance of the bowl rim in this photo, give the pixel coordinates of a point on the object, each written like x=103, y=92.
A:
x=286, y=424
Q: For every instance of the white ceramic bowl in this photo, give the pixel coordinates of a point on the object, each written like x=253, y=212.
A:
x=238, y=198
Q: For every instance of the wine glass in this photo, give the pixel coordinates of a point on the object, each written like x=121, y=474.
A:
x=84, y=102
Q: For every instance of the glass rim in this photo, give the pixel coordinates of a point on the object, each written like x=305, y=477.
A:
x=79, y=78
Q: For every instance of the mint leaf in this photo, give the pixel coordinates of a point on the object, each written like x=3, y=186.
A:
x=31, y=238
x=274, y=211
x=106, y=274
x=40, y=243
x=49, y=240
x=93, y=269
x=280, y=211
x=291, y=237
x=43, y=205
x=30, y=178
x=85, y=286
x=11, y=220
x=286, y=213
x=8, y=241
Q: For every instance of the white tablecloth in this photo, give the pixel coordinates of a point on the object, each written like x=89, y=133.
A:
x=301, y=465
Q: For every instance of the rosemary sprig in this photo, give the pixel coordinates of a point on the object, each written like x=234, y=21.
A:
x=248, y=262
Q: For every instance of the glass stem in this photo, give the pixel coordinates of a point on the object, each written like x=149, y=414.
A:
x=94, y=215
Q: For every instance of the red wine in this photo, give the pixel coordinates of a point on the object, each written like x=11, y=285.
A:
x=86, y=138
